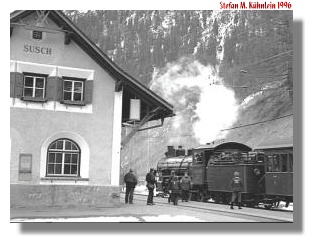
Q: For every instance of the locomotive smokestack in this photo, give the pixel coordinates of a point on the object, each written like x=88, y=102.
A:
x=171, y=152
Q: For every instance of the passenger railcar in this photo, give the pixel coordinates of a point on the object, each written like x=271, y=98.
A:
x=279, y=171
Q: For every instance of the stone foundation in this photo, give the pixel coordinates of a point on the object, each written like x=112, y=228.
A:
x=34, y=196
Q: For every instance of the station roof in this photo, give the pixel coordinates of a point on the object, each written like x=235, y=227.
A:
x=286, y=142
x=164, y=109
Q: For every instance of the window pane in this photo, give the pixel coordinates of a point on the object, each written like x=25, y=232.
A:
x=39, y=93
x=284, y=162
x=67, y=85
x=68, y=145
x=270, y=163
x=276, y=162
x=67, y=168
x=74, y=158
x=59, y=144
x=53, y=146
x=28, y=81
x=78, y=86
x=291, y=162
x=51, y=157
x=67, y=96
x=198, y=157
x=28, y=92
x=74, y=148
x=50, y=169
x=67, y=158
x=58, y=158
x=39, y=83
x=58, y=169
x=77, y=97
x=74, y=170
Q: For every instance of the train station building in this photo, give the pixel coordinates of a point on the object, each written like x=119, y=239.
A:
x=68, y=105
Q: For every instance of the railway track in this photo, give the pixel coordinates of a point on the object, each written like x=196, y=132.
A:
x=248, y=214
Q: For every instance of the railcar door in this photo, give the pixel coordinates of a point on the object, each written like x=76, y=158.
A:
x=279, y=173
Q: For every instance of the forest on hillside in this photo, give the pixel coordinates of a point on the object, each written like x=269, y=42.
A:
x=184, y=55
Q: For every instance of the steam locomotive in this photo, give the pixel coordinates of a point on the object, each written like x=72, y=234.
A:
x=266, y=171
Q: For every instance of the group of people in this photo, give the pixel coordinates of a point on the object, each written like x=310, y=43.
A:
x=175, y=187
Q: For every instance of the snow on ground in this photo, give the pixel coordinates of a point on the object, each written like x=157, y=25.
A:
x=141, y=189
x=159, y=218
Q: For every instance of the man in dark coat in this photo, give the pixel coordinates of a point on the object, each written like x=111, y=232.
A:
x=174, y=188
x=185, y=185
x=151, y=180
x=131, y=180
x=236, y=186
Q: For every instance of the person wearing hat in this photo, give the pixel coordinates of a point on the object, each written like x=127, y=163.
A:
x=130, y=180
x=236, y=185
x=151, y=180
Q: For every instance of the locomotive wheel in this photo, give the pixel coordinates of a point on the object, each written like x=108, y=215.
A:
x=268, y=206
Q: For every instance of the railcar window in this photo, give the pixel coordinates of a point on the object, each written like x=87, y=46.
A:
x=270, y=163
x=291, y=162
x=260, y=157
x=276, y=163
x=284, y=162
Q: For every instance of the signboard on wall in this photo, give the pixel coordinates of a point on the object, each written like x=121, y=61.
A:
x=25, y=163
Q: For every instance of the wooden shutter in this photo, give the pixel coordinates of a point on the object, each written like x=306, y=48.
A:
x=18, y=86
x=59, y=89
x=53, y=86
x=12, y=83
x=88, y=94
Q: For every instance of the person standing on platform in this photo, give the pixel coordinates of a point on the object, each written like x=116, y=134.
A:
x=236, y=185
x=185, y=184
x=151, y=180
x=130, y=180
x=174, y=188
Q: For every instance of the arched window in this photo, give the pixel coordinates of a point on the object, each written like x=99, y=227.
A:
x=63, y=158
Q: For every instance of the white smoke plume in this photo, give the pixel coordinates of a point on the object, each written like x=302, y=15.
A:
x=203, y=105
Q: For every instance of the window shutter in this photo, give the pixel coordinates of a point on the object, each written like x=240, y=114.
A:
x=54, y=89
x=18, y=87
x=59, y=89
x=51, y=88
x=88, y=94
x=12, y=83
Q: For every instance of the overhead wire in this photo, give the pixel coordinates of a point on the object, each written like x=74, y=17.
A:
x=256, y=123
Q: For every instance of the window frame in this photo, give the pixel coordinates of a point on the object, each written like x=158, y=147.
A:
x=63, y=151
x=270, y=162
x=34, y=76
x=71, y=101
